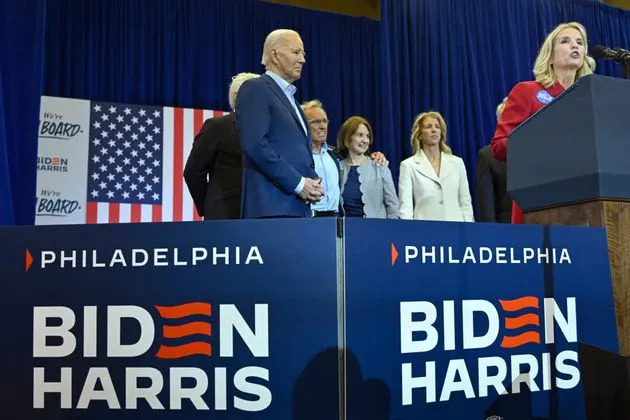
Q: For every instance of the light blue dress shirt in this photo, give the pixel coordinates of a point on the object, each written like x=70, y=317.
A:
x=327, y=170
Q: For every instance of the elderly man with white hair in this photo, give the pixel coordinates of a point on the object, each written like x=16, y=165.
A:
x=214, y=167
x=279, y=178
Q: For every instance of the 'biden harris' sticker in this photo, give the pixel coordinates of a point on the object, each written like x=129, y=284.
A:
x=544, y=97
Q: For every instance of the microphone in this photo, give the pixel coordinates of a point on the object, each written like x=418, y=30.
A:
x=619, y=55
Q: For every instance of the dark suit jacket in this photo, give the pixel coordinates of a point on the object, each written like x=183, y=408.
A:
x=336, y=157
x=214, y=169
x=277, y=151
x=493, y=201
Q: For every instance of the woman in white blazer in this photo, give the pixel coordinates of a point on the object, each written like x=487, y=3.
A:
x=432, y=184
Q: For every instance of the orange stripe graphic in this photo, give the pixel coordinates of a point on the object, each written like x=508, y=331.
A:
x=520, y=303
x=29, y=260
x=187, y=309
x=394, y=254
x=185, y=350
x=521, y=321
x=519, y=340
x=184, y=330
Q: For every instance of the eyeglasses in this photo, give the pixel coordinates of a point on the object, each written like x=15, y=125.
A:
x=318, y=122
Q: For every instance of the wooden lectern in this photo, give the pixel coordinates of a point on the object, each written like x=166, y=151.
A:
x=569, y=164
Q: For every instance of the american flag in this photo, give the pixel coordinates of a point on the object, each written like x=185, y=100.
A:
x=136, y=162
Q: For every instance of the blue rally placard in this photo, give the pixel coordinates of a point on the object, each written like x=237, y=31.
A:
x=474, y=321
x=223, y=320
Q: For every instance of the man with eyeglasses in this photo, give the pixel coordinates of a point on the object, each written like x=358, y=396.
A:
x=327, y=161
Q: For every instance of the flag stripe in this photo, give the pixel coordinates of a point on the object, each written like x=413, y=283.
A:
x=91, y=213
x=167, y=192
x=188, y=135
x=198, y=124
x=136, y=213
x=124, y=214
x=114, y=213
x=178, y=144
x=146, y=213
x=156, y=211
x=102, y=213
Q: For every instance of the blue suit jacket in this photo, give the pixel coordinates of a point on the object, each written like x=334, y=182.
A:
x=276, y=151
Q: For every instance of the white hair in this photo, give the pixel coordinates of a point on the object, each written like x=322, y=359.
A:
x=315, y=103
x=273, y=39
x=237, y=81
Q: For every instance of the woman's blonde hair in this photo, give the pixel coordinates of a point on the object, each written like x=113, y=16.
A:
x=347, y=130
x=543, y=68
x=416, y=129
x=500, y=108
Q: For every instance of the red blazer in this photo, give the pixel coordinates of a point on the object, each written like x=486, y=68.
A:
x=525, y=99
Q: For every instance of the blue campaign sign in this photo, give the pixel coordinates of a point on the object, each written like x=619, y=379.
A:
x=234, y=319
x=475, y=321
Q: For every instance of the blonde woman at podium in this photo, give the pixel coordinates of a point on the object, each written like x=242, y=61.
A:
x=561, y=61
x=433, y=184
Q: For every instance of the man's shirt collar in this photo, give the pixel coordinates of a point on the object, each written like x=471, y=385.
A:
x=284, y=85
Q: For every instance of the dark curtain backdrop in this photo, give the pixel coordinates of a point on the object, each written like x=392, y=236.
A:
x=184, y=52
x=461, y=57
x=21, y=43
x=455, y=56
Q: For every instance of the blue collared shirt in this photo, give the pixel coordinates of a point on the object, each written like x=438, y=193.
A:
x=289, y=91
x=327, y=169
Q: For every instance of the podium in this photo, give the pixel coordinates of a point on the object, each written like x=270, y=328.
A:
x=569, y=165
